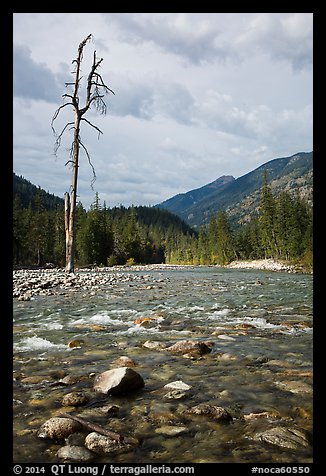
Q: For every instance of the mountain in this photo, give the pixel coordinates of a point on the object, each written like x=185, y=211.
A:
x=183, y=201
x=28, y=193
x=240, y=197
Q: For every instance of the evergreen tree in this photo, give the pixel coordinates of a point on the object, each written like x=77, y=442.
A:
x=267, y=221
x=225, y=242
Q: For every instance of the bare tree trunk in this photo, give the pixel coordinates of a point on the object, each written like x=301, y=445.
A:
x=70, y=232
x=95, y=91
x=67, y=213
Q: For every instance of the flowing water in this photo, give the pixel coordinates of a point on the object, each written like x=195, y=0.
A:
x=259, y=369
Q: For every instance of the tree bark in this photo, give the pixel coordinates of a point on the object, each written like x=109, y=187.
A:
x=97, y=428
x=70, y=232
x=95, y=86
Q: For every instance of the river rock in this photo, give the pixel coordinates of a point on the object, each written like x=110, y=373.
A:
x=68, y=380
x=75, y=454
x=217, y=413
x=292, y=438
x=225, y=356
x=57, y=428
x=162, y=412
x=269, y=415
x=34, y=379
x=75, y=399
x=118, y=381
x=125, y=361
x=146, y=322
x=154, y=345
x=76, y=343
x=189, y=346
x=176, y=395
x=101, y=444
x=294, y=386
x=171, y=430
x=177, y=385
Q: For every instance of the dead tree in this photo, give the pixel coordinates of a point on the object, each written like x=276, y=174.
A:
x=96, y=89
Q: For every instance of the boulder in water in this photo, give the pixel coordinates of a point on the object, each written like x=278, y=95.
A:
x=118, y=381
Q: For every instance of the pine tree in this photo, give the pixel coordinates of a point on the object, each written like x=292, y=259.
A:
x=225, y=242
x=267, y=221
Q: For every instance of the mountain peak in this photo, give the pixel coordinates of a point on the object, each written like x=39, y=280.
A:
x=240, y=197
x=185, y=200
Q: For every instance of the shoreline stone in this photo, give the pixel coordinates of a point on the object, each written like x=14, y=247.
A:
x=58, y=428
x=33, y=281
x=118, y=381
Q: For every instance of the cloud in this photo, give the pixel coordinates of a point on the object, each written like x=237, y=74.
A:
x=32, y=80
x=193, y=37
x=288, y=38
x=151, y=98
x=197, y=96
x=203, y=38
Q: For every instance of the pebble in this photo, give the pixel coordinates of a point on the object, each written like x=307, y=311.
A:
x=171, y=430
x=75, y=454
x=177, y=385
x=189, y=346
x=101, y=444
x=28, y=283
x=58, y=428
x=76, y=343
x=125, y=361
x=294, y=386
x=74, y=399
x=292, y=438
x=217, y=413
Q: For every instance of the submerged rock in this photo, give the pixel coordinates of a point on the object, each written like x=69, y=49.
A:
x=294, y=386
x=75, y=399
x=146, y=322
x=154, y=345
x=76, y=343
x=75, y=453
x=57, y=428
x=177, y=385
x=176, y=395
x=125, y=361
x=217, y=413
x=118, y=381
x=171, y=430
x=101, y=444
x=189, y=346
x=292, y=438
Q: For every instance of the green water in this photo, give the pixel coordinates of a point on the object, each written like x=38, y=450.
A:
x=262, y=335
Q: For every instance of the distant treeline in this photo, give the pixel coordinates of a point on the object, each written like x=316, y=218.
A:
x=108, y=236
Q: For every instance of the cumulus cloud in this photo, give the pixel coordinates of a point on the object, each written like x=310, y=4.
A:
x=32, y=80
x=197, y=96
x=201, y=37
x=287, y=38
x=151, y=98
x=194, y=37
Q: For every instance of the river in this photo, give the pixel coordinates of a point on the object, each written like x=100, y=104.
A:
x=258, y=323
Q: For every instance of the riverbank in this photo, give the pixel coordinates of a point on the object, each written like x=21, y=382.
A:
x=28, y=283
x=266, y=264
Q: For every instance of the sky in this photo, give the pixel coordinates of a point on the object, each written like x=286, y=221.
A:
x=196, y=96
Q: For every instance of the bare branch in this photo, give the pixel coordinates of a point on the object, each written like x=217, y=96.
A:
x=95, y=127
x=55, y=115
x=90, y=163
x=99, y=77
x=99, y=429
x=58, y=139
x=67, y=96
